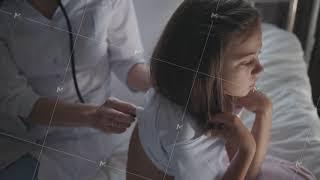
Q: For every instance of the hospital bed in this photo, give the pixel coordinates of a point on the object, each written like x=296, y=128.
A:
x=295, y=134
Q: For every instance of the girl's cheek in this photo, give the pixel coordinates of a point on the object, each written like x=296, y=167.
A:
x=237, y=76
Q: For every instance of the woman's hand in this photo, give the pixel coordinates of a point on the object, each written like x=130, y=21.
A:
x=114, y=116
x=231, y=129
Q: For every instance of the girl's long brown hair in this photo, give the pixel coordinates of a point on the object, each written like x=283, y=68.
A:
x=186, y=40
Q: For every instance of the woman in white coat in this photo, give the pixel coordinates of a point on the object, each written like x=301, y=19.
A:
x=55, y=55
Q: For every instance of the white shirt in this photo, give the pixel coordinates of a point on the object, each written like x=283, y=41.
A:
x=161, y=128
x=34, y=54
x=176, y=145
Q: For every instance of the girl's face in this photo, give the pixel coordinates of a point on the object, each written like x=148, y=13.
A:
x=241, y=66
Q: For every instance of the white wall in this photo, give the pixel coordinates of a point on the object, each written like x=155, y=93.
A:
x=152, y=16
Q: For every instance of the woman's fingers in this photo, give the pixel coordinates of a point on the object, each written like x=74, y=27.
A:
x=115, y=115
x=113, y=121
x=120, y=116
x=121, y=106
x=110, y=126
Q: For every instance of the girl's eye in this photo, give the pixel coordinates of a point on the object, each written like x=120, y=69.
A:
x=248, y=63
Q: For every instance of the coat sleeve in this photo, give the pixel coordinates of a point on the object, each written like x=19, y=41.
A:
x=16, y=95
x=125, y=47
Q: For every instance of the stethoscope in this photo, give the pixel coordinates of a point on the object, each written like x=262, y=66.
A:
x=71, y=42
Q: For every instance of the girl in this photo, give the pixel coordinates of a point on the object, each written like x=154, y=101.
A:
x=204, y=72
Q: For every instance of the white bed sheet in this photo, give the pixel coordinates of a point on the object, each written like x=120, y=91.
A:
x=295, y=134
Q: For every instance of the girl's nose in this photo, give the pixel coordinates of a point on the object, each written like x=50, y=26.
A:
x=257, y=69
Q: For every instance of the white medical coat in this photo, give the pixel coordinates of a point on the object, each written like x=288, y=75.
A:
x=34, y=56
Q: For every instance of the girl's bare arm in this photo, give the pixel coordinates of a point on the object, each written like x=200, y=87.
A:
x=239, y=165
x=258, y=103
x=261, y=133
